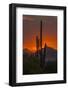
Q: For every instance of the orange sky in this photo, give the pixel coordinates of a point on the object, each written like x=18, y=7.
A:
x=31, y=29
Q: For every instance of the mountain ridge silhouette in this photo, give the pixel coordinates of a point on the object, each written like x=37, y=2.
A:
x=51, y=53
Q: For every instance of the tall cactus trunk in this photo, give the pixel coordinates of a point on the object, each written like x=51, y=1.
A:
x=41, y=63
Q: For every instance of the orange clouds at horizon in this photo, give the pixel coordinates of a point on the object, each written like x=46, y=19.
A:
x=32, y=47
x=49, y=42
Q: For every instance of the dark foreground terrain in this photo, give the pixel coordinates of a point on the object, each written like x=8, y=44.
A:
x=31, y=63
x=32, y=66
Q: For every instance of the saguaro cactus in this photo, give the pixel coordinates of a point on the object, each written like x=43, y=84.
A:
x=41, y=62
x=42, y=54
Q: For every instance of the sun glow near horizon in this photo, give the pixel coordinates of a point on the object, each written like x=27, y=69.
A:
x=31, y=29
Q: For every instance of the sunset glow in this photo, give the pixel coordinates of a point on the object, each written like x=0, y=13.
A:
x=31, y=27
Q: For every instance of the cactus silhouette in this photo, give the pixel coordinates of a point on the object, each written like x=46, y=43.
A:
x=41, y=62
x=42, y=55
x=39, y=46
